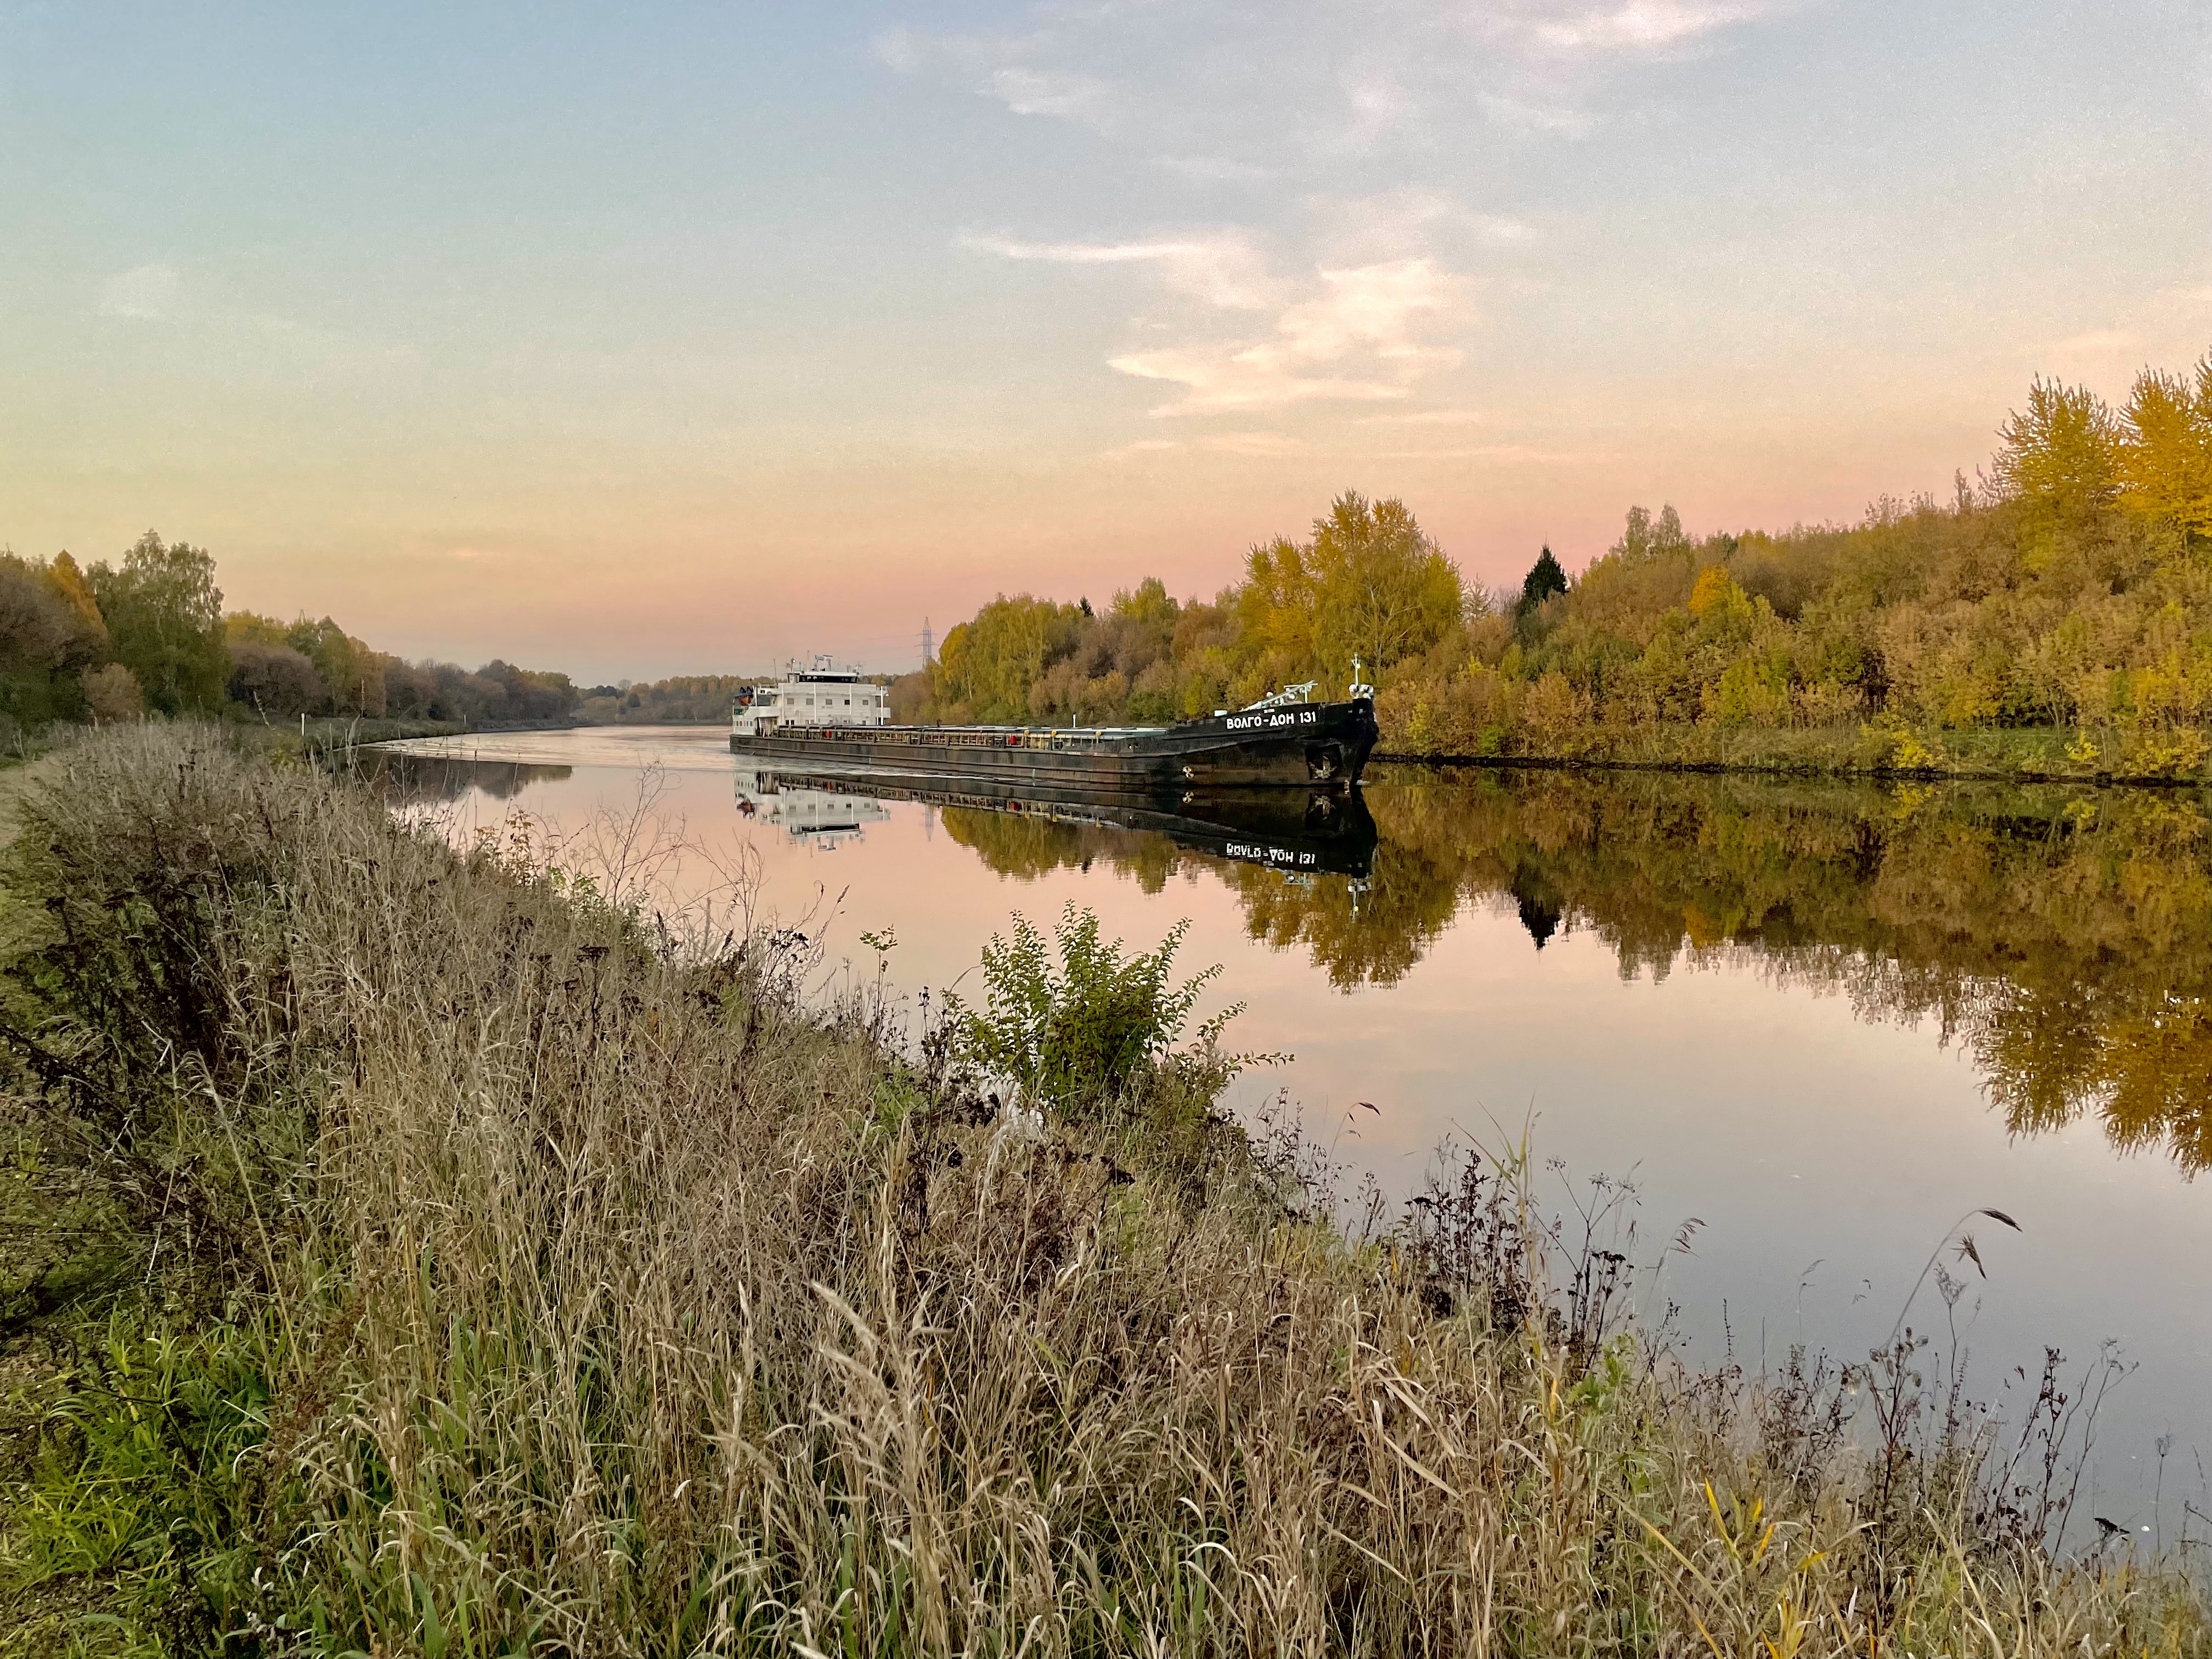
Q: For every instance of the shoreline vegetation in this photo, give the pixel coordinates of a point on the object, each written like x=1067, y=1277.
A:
x=423, y=1249
x=2047, y=755
x=2051, y=620
x=150, y=635
x=97, y=645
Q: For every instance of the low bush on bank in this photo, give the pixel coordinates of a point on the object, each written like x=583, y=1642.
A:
x=422, y=1251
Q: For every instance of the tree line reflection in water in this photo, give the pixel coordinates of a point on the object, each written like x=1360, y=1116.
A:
x=2062, y=935
x=435, y=780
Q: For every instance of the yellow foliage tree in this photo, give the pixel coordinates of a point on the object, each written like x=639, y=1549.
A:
x=2166, y=453
x=1370, y=583
x=2060, y=455
x=986, y=666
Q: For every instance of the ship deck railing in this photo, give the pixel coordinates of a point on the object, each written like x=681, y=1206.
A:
x=1076, y=740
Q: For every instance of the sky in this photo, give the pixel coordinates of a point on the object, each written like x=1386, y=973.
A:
x=677, y=339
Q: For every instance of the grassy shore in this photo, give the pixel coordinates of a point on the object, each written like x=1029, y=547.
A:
x=1875, y=749
x=418, y=1252
x=328, y=735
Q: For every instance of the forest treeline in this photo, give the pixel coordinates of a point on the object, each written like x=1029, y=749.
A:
x=679, y=700
x=2055, y=616
x=150, y=634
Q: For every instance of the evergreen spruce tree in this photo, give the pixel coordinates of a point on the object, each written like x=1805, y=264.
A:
x=1545, y=579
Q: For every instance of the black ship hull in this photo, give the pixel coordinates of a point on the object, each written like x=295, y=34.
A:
x=1322, y=745
x=1300, y=831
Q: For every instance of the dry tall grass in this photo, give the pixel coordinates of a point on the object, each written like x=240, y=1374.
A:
x=570, y=1292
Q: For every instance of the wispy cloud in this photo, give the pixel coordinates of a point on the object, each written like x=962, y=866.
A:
x=1562, y=120
x=1214, y=169
x=1253, y=443
x=145, y=293
x=2099, y=340
x=1502, y=454
x=1246, y=90
x=1224, y=269
x=1352, y=335
x=1426, y=417
x=1357, y=340
x=1049, y=92
x=1638, y=26
x=1297, y=98
x=1142, y=446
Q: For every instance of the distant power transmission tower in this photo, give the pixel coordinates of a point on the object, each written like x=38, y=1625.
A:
x=928, y=644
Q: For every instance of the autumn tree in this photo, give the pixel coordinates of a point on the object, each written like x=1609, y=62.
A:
x=1386, y=591
x=2059, y=458
x=352, y=674
x=1370, y=583
x=69, y=583
x=274, y=681
x=51, y=635
x=2166, y=449
x=164, y=614
x=986, y=667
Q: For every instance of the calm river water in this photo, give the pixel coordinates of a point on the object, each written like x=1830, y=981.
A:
x=1823, y=1019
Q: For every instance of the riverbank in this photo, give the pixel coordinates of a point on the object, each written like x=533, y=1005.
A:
x=2174, y=757
x=324, y=734
x=417, y=1251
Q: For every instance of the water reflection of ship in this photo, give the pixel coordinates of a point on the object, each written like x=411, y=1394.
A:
x=824, y=813
x=1302, y=833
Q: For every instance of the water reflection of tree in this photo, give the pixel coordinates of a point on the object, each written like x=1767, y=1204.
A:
x=2064, y=937
x=1370, y=937
x=1025, y=848
x=422, y=780
x=1361, y=935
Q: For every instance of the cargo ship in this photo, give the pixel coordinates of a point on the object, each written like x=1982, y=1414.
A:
x=829, y=715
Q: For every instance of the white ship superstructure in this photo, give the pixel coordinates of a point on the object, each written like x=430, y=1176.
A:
x=824, y=695
x=822, y=817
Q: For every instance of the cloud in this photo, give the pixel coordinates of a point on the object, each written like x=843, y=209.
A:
x=1263, y=89
x=1214, y=169
x=1354, y=334
x=146, y=293
x=1224, y=269
x=1142, y=446
x=1045, y=91
x=1377, y=103
x=1638, y=25
x=902, y=50
x=1520, y=115
x=1356, y=341
x=1275, y=99
x=1508, y=454
x=1426, y=417
x=1252, y=443
x=2100, y=339
x=1411, y=219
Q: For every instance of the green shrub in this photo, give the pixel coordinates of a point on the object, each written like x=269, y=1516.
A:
x=1070, y=1037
